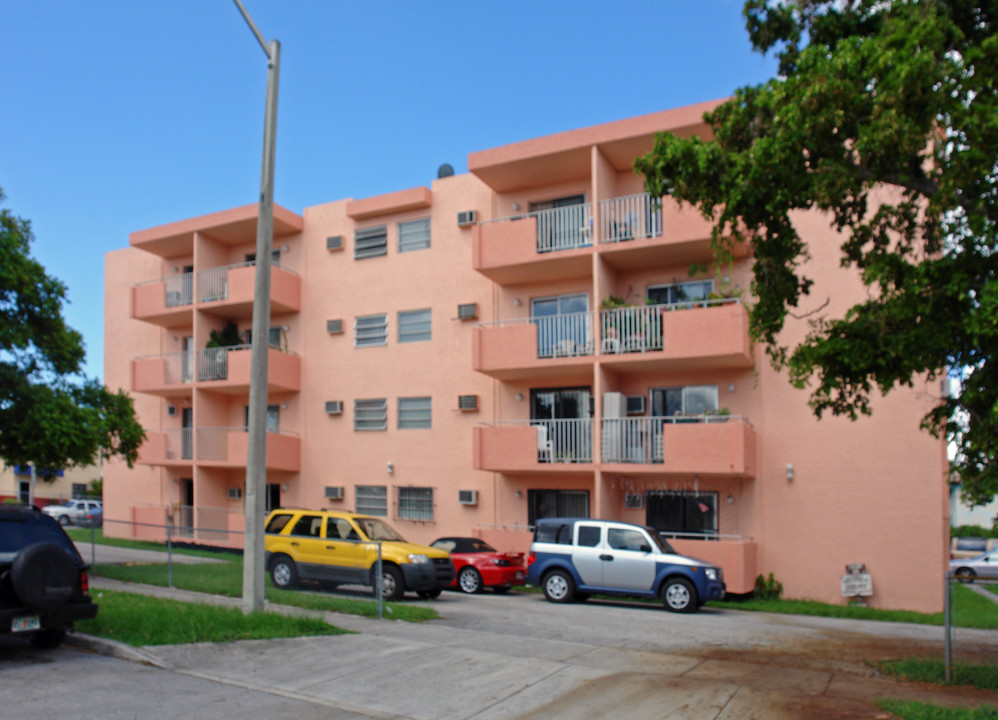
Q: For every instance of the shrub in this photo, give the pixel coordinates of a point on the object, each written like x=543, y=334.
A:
x=768, y=588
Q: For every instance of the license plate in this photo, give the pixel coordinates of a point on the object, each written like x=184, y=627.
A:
x=26, y=623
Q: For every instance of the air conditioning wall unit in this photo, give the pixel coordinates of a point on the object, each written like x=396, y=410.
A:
x=468, y=311
x=467, y=497
x=467, y=217
x=635, y=404
x=334, y=407
x=334, y=492
x=467, y=403
x=171, y=409
x=234, y=493
x=334, y=243
x=334, y=327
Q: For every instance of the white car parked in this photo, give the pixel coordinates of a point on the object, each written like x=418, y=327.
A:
x=72, y=511
x=966, y=570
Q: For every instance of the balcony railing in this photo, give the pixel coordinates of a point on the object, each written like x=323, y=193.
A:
x=564, y=228
x=213, y=283
x=179, y=289
x=178, y=367
x=564, y=335
x=630, y=217
x=213, y=363
x=559, y=440
x=641, y=440
x=179, y=443
x=639, y=329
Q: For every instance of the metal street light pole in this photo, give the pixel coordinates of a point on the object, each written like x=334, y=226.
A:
x=256, y=457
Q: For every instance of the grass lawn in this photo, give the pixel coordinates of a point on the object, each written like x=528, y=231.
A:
x=927, y=670
x=140, y=620
x=970, y=610
x=924, y=711
x=226, y=578
x=82, y=535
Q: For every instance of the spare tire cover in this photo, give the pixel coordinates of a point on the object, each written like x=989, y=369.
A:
x=44, y=576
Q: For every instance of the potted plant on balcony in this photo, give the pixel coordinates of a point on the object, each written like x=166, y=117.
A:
x=215, y=365
x=717, y=415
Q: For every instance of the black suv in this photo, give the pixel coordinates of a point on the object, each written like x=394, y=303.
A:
x=43, y=579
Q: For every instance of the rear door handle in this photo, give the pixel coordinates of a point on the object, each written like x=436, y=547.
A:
x=606, y=557
x=330, y=547
x=295, y=544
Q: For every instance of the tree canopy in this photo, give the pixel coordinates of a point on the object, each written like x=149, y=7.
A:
x=51, y=415
x=884, y=115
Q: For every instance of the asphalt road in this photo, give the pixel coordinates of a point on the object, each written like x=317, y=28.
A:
x=495, y=657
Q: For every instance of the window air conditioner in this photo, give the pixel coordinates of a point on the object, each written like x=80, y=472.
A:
x=334, y=407
x=467, y=403
x=467, y=497
x=334, y=326
x=467, y=217
x=635, y=404
x=334, y=243
x=171, y=409
x=334, y=492
x=467, y=312
x=234, y=493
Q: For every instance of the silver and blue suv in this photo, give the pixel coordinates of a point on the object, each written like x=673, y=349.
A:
x=573, y=558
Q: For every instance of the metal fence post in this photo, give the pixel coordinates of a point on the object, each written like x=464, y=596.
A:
x=379, y=584
x=169, y=550
x=948, y=613
x=93, y=543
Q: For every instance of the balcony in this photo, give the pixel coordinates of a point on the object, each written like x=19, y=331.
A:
x=543, y=245
x=166, y=302
x=530, y=445
x=228, y=291
x=698, y=334
x=224, y=447
x=227, y=447
x=706, y=445
x=533, y=347
x=737, y=556
x=225, y=369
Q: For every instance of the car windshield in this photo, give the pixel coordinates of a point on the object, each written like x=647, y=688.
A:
x=660, y=542
x=376, y=529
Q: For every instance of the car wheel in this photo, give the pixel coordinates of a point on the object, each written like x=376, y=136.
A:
x=48, y=638
x=44, y=576
x=392, y=583
x=64, y=520
x=679, y=595
x=965, y=575
x=283, y=572
x=469, y=580
x=500, y=589
x=559, y=586
x=430, y=594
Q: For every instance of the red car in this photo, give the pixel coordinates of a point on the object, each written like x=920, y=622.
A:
x=479, y=565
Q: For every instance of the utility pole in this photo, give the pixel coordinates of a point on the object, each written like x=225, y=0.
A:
x=256, y=456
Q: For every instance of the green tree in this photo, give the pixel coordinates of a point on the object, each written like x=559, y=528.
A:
x=51, y=416
x=884, y=116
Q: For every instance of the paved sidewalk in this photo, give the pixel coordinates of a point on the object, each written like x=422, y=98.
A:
x=433, y=671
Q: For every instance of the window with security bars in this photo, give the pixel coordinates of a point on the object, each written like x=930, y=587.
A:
x=414, y=325
x=370, y=414
x=414, y=235
x=372, y=500
x=370, y=242
x=415, y=503
x=414, y=413
x=79, y=491
x=370, y=330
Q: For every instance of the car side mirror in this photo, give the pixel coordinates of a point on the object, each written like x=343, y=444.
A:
x=645, y=548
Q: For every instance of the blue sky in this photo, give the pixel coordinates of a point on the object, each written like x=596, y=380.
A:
x=127, y=114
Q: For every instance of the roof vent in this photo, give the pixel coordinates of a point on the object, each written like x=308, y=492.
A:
x=445, y=170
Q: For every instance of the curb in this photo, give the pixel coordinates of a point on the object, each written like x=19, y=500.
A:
x=115, y=649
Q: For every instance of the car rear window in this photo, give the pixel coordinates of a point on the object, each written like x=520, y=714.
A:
x=277, y=523
x=558, y=533
x=20, y=530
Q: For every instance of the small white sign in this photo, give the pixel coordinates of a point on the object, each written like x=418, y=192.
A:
x=857, y=585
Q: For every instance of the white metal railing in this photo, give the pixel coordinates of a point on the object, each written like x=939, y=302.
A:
x=213, y=363
x=639, y=329
x=213, y=283
x=559, y=440
x=705, y=535
x=564, y=335
x=630, y=217
x=640, y=439
x=179, y=443
x=179, y=289
x=213, y=442
x=178, y=367
x=564, y=228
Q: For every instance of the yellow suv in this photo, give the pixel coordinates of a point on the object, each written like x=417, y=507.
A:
x=341, y=548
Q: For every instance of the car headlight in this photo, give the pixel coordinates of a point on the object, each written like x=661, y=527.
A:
x=418, y=558
x=711, y=573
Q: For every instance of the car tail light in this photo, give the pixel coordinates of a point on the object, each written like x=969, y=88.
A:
x=530, y=559
x=84, y=583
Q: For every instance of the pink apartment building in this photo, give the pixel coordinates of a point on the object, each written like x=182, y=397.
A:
x=524, y=340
